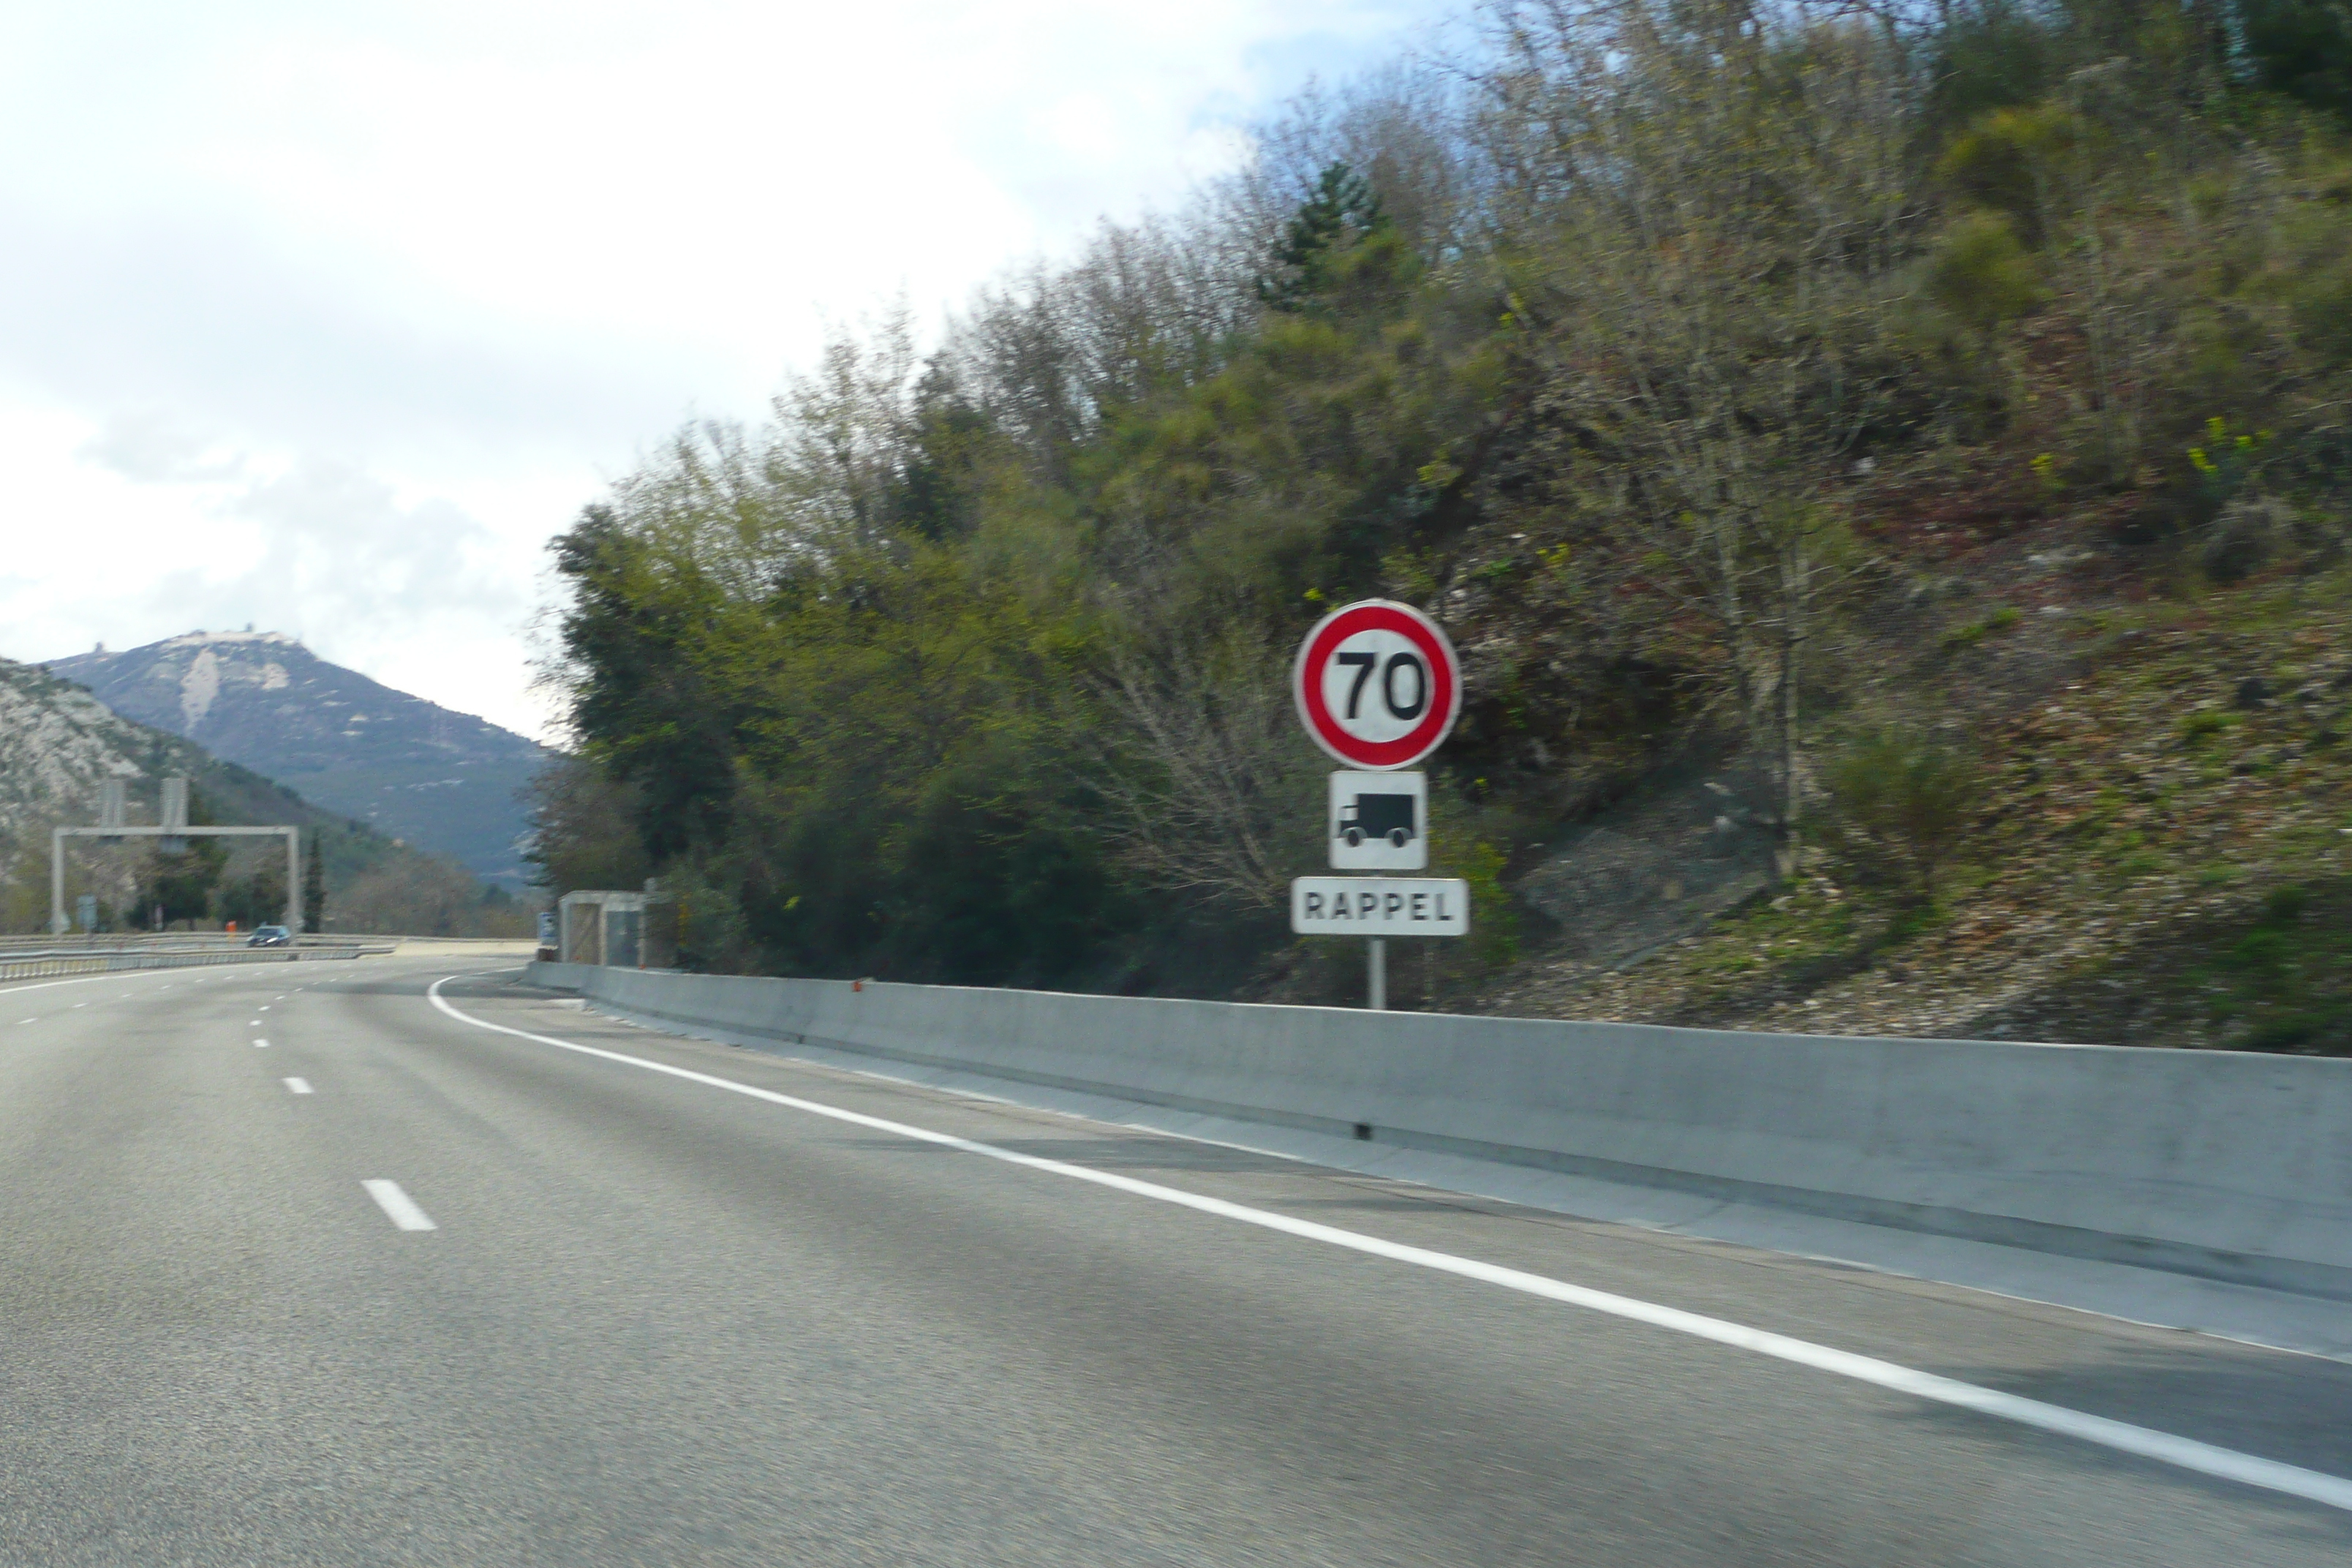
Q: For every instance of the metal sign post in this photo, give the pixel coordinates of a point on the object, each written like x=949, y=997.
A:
x=1379, y=687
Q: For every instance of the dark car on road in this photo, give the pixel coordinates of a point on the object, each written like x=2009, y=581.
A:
x=270, y=936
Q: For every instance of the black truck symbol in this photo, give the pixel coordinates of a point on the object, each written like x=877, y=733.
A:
x=1388, y=816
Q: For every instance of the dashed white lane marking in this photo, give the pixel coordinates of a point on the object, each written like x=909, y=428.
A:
x=28, y=1020
x=2185, y=1453
x=262, y=1008
x=252, y=1023
x=399, y=1205
x=11, y=987
x=262, y=1045
x=302, y=1085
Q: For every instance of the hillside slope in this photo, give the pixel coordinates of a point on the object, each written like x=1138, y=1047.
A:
x=2161, y=852
x=408, y=768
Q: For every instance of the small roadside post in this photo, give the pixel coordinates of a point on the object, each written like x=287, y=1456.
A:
x=1377, y=686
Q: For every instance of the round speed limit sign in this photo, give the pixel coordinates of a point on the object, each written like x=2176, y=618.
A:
x=1377, y=685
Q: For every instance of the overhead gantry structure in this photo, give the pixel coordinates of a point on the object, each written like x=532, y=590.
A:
x=174, y=830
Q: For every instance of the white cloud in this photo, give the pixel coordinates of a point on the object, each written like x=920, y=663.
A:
x=325, y=318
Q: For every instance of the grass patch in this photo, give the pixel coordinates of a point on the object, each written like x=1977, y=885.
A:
x=2284, y=982
x=2276, y=976
x=2202, y=726
x=1794, y=946
x=1975, y=632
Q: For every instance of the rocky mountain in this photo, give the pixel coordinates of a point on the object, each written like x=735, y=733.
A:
x=442, y=781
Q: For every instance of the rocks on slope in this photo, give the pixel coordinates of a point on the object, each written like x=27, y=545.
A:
x=60, y=741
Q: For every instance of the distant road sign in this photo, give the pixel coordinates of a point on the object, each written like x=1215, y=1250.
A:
x=1379, y=906
x=1380, y=821
x=1377, y=685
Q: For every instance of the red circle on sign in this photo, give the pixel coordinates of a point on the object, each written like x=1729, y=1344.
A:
x=1440, y=704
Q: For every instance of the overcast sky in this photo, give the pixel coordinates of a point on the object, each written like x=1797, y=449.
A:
x=325, y=317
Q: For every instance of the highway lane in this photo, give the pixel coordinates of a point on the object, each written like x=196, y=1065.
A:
x=656, y=1321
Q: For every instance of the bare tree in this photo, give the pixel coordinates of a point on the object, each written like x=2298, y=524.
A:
x=1706, y=230
x=1211, y=790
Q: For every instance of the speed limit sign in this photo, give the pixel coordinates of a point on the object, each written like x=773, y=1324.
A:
x=1377, y=685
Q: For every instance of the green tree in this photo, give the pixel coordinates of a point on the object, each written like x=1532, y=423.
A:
x=181, y=885
x=251, y=901
x=2303, y=49
x=181, y=882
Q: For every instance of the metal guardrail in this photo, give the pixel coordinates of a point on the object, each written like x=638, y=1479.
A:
x=40, y=945
x=42, y=966
x=109, y=941
x=42, y=942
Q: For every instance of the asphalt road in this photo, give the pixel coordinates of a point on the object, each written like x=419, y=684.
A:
x=654, y=1321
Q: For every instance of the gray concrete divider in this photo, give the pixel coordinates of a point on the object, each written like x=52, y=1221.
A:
x=2227, y=1165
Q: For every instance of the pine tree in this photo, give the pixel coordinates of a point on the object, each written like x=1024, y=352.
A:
x=1343, y=210
x=314, y=888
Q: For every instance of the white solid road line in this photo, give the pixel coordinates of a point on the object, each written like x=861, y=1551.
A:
x=2185, y=1453
x=399, y=1205
x=302, y=1085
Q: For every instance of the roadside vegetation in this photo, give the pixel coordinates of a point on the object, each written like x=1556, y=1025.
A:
x=1928, y=427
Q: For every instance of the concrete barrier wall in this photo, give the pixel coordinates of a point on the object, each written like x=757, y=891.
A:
x=2224, y=1165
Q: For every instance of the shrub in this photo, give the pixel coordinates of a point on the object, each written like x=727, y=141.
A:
x=1981, y=274
x=1903, y=806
